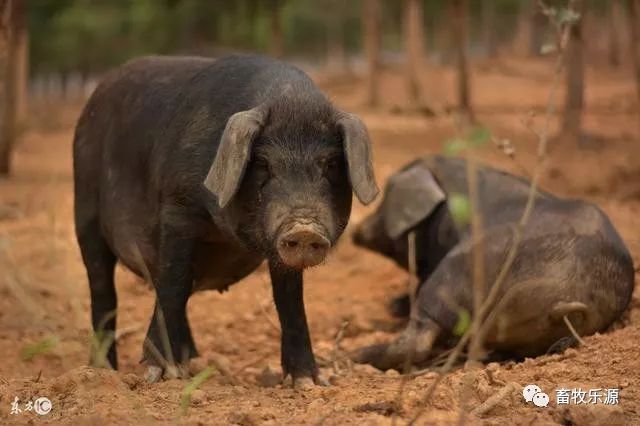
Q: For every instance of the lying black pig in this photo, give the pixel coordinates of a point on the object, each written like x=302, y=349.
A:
x=192, y=171
x=571, y=262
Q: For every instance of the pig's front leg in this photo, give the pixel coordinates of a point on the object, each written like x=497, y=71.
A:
x=169, y=344
x=297, y=355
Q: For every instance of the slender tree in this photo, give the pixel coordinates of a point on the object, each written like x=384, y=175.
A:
x=276, y=39
x=523, y=30
x=372, y=42
x=634, y=25
x=413, y=29
x=20, y=33
x=539, y=24
x=334, y=17
x=460, y=9
x=574, y=100
x=488, y=28
x=613, y=23
x=14, y=81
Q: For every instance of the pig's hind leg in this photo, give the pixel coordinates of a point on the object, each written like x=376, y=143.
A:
x=100, y=263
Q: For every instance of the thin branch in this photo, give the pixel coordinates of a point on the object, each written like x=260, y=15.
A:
x=412, y=286
x=573, y=330
x=518, y=229
x=494, y=400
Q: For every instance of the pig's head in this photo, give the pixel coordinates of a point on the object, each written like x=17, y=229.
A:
x=287, y=176
x=413, y=201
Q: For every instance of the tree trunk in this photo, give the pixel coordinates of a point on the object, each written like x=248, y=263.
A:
x=460, y=25
x=414, y=49
x=336, y=51
x=522, y=40
x=11, y=69
x=488, y=24
x=372, y=41
x=276, y=41
x=538, y=29
x=634, y=26
x=613, y=21
x=21, y=42
x=574, y=100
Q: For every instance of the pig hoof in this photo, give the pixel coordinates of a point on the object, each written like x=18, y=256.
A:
x=321, y=381
x=303, y=383
x=153, y=374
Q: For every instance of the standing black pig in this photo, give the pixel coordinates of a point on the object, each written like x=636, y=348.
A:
x=192, y=171
x=571, y=261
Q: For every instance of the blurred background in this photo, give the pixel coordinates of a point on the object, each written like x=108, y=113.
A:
x=55, y=50
x=417, y=72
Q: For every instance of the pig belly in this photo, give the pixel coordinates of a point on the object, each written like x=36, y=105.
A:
x=217, y=266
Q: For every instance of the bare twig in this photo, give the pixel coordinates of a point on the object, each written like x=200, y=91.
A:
x=518, y=229
x=573, y=330
x=264, y=310
x=126, y=331
x=251, y=363
x=159, y=314
x=412, y=286
x=494, y=400
x=335, y=354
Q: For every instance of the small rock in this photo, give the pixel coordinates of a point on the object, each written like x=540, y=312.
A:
x=430, y=375
x=197, y=365
x=493, y=366
x=63, y=386
x=242, y=419
x=316, y=404
x=570, y=353
x=221, y=363
x=334, y=379
x=198, y=397
x=303, y=383
x=366, y=369
x=391, y=373
x=252, y=371
x=269, y=378
x=598, y=414
x=131, y=380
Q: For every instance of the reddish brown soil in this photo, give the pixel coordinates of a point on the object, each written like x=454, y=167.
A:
x=44, y=294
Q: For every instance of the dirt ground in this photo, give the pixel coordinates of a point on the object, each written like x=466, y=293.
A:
x=44, y=293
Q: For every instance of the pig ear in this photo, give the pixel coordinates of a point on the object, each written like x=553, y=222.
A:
x=226, y=172
x=411, y=196
x=357, y=147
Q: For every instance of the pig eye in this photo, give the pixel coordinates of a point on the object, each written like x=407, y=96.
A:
x=332, y=165
x=262, y=171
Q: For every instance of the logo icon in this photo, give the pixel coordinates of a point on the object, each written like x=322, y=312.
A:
x=529, y=391
x=42, y=406
x=541, y=399
x=533, y=393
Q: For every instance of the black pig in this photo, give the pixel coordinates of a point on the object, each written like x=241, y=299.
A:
x=571, y=261
x=192, y=171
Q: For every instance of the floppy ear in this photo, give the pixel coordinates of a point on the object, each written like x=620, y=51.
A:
x=233, y=154
x=411, y=196
x=357, y=148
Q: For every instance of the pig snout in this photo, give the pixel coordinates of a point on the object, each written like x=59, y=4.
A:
x=302, y=246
